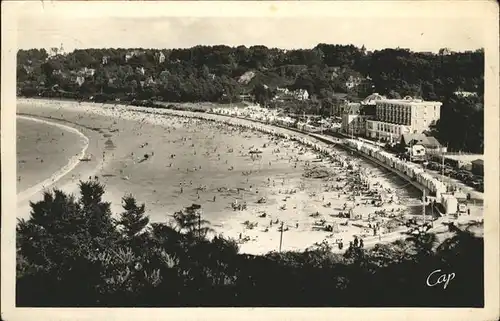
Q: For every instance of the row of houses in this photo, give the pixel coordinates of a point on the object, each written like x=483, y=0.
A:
x=283, y=94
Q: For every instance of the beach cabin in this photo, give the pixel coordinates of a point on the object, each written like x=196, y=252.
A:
x=450, y=203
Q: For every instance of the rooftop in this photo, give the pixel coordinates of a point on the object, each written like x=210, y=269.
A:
x=421, y=139
x=478, y=162
x=407, y=100
x=465, y=157
x=372, y=99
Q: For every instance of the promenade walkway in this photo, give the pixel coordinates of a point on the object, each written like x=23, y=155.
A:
x=476, y=197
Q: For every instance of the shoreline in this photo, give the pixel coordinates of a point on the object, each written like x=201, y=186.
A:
x=302, y=139
x=63, y=171
x=276, y=131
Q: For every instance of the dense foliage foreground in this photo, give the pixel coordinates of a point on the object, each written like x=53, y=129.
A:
x=73, y=252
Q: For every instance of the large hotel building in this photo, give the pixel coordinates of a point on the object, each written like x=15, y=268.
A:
x=395, y=117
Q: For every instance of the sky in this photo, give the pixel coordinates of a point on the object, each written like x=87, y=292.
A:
x=301, y=26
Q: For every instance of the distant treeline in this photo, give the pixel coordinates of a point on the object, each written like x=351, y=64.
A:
x=71, y=252
x=224, y=74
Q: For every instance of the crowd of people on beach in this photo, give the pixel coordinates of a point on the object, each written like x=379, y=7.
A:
x=349, y=183
x=356, y=183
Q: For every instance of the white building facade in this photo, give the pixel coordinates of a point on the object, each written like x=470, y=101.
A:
x=395, y=117
x=355, y=124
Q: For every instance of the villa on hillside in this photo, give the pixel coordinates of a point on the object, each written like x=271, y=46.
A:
x=285, y=94
x=301, y=94
x=54, y=51
x=86, y=72
x=465, y=94
x=353, y=82
x=161, y=57
x=282, y=91
x=129, y=55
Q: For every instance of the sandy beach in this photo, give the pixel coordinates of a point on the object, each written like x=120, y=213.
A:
x=249, y=183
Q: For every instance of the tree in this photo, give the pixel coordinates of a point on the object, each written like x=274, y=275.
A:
x=189, y=222
x=62, y=261
x=327, y=107
x=465, y=113
x=133, y=220
x=262, y=94
x=57, y=240
x=424, y=244
x=304, y=81
x=393, y=95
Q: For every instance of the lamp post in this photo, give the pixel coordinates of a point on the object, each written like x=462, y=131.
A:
x=423, y=200
x=281, y=235
x=442, y=163
x=352, y=129
x=411, y=149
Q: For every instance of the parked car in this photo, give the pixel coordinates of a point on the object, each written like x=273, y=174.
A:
x=454, y=174
x=467, y=177
x=447, y=170
x=433, y=165
x=469, y=182
x=475, y=184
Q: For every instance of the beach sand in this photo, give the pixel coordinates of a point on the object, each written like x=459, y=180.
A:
x=192, y=161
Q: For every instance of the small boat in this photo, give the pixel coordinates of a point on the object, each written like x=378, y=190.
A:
x=86, y=158
x=255, y=151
